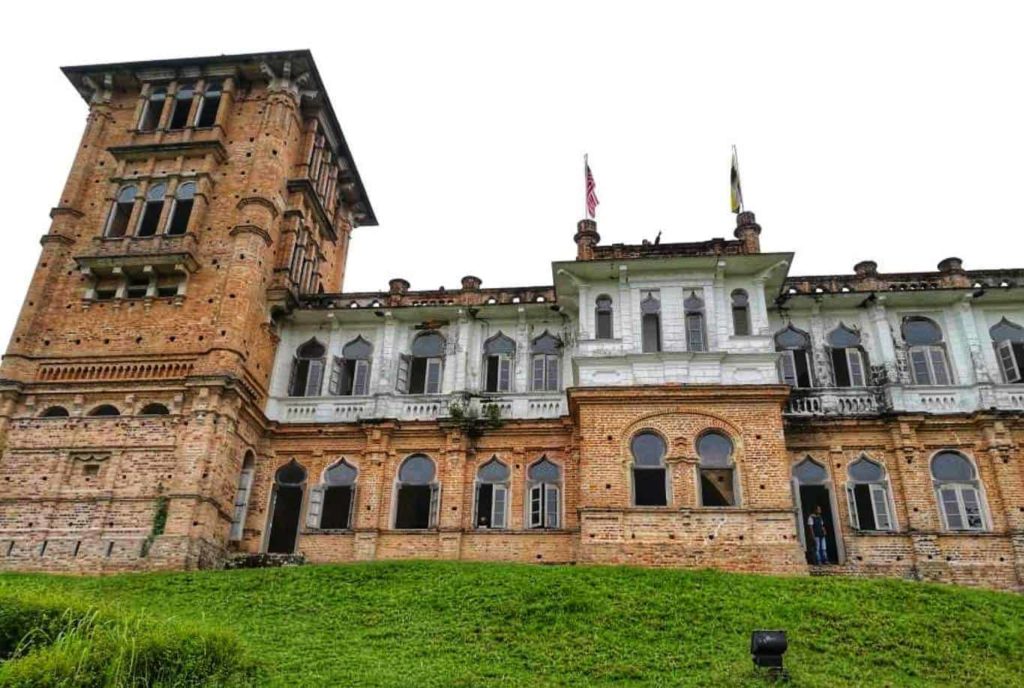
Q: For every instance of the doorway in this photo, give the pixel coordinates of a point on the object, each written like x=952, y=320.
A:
x=284, y=526
x=812, y=496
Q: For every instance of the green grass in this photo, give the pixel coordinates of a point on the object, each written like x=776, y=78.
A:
x=461, y=624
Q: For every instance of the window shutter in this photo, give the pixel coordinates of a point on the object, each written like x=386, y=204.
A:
x=292, y=392
x=880, y=501
x=740, y=321
x=241, y=504
x=435, y=504
x=951, y=508
x=361, y=384
x=939, y=365
x=1008, y=362
x=402, y=379
x=787, y=369
x=352, y=507
x=972, y=508
x=695, y=332
x=538, y=373
x=316, y=503
x=334, y=381
x=919, y=367
x=851, y=503
x=316, y=377
x=433, y=385
x=504, y=374
x=855, y=365
x=551, y=505
x=498, y=506
x=536, y=506
x=552, y=374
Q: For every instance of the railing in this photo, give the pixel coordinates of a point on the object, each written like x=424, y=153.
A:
x=833, y=402
x=411, y=407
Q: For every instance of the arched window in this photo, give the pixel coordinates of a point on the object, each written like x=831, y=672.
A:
x=491, y=506
x=307, y=370
x=958, y=491
x=545, y=494
x=848, y=359
x=650, y=478
x=418, y=495
x=740, y=313
x=717, y=470
x=812, y=492
x=120, y=212
x=209, y=103
x=868, y=496
x=182, y=106
x=153, y=108
x=696, y=336
x=55, y=412
x=603, y=317
x=285, y=506
x=926, y=352
x=242, y=496
x=154, y=409
x=1008, y=338
x=547, y=357
x=151, y=211
x=499, y=354
x=332, y=502
x=650, y=322
x=181, y=209
x=350, y=374
x=105, y=410
x=795, y=362
x=421, y=372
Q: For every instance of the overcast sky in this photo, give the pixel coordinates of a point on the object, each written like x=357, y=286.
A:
x=882, y=130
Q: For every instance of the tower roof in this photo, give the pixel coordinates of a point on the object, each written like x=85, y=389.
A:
x=90, y=79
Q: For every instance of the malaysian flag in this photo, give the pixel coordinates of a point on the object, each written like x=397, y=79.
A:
x=591, y=193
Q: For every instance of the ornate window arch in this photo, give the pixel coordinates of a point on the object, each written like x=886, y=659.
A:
x=417, y=493
x=350, y=373
x=740, y=313
x=650, y=474
x=55, y=412
x=307, y=369
x=926, y=351
x=696, y=331
x=795, y=362
x=285, y=507
x=717, y=469
x=1008, y=340
x=181, y=209
x=547, y=362
x=152, y=209
x=849, y=361
x=105, y=410
x=603, y=317
x=332, y=502
x=544, y=490
x=499, y=361
x=869, y=495
x=650, y=321
x=490, y=505
x=120, y=214
x=422, y=372
x=958, y=491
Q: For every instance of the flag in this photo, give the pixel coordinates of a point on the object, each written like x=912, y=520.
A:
x=591, y=193
x=734, y=182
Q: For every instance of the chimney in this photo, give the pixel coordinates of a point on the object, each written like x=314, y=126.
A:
x=953, y=273
x=748, y=231
x=471, y=283
x=586, y=239
x=866, y=268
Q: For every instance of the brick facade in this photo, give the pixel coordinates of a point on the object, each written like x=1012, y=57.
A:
x=199, y=362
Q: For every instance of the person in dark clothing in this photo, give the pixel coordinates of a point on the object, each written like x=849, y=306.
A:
x=816, y=528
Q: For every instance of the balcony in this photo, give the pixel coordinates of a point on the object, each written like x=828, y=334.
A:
x=132, y=250
x=834, y=401
x=531, y=405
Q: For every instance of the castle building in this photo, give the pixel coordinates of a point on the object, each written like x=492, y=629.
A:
x=188, y=380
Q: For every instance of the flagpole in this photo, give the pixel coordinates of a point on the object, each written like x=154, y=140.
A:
x=585, y=190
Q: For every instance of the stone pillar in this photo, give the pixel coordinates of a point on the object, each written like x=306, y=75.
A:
x=748, y=231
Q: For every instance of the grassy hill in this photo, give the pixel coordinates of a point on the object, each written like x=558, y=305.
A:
x=461, y=624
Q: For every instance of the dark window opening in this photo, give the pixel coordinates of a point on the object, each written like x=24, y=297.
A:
x=121, y=212
x=716, y=487
x=181, y=209
x=307, y=370
x=152, y=110
x=413, y=510
x=105, y=294
x=284, y=526
x=209, y=105
x=420, y=373
x=603, y=318
x=56, y=412
x=91, y=470
x=484, y=505
x=740, y=313
x=154, y=410
x=865, y=508
x=150, y=218
x=337, y=507
x=137, y=289
x=105, y=410
x=182, y=105
x=166, y=291
x=649, y=486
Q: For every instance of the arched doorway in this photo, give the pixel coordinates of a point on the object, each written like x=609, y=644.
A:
x=285, y=505
x=812, y=488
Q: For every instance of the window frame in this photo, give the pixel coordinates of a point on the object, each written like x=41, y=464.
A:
x=502, y=487
x=742, y=310
x=884, y=485
x=604, y=310
x=540, y=494
x=701, y=467
x=662, y=466
x=959, y=487
x=434, y=512
x=695, y=324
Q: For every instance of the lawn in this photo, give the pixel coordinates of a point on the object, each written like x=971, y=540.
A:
x=462, y=624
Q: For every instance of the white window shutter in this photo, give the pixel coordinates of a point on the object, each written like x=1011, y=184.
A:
x=536, y=506
x=855, y=364
x=352, y=507
x=939, y=365
x=291, y=377
x=504, y=373
x=951, y=508
x=551, y=495
x=435, y=504
x=1008, y=362
x=972, y=508
x=361, y=384
x=552, y=374
x=316, y=377
x=241, y=504
x=316, y=503
x=433, y=385
x=851, y=501
x=402, y=379
x=880, y=502
x=538, y=373
x=498, y=506
x=919, y=369
x=334, y=381
x=787, y=369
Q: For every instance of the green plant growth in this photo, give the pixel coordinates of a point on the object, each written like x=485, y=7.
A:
x=473, y=624
x=473, y=423
x=159, y=523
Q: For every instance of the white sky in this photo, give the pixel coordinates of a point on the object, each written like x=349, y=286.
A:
x=882, y=130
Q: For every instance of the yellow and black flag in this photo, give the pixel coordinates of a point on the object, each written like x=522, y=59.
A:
x=734, y=181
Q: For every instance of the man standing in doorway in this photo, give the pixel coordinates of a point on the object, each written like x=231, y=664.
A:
x=816, y=526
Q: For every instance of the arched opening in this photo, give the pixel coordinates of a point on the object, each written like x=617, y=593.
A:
x=491, y=506
x=1008, y=339
x=795, y=361
x=696, y=333
x=120, y=212
x=152, y=110
x=603, y=317
x=813, y=492
x=422, y=371
x=650, y=478
x=418, y=494
x=650, y=322
x=181, y=209
x=547, y=357
x=717, y=470
x=55, y=412
x=285, y=505
x=849, y=367
x=209, y=103
x=499, y=354
x=182, y=106
x=350, y=374
x=105, y=410
x=307, y=369
x=152, y=209
x=740, y=313
x=332, y=502
x=868, y=496
x=926, y=352
x=154, y=409
x=242, y=496
x=958, y=491
x=545, y=494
